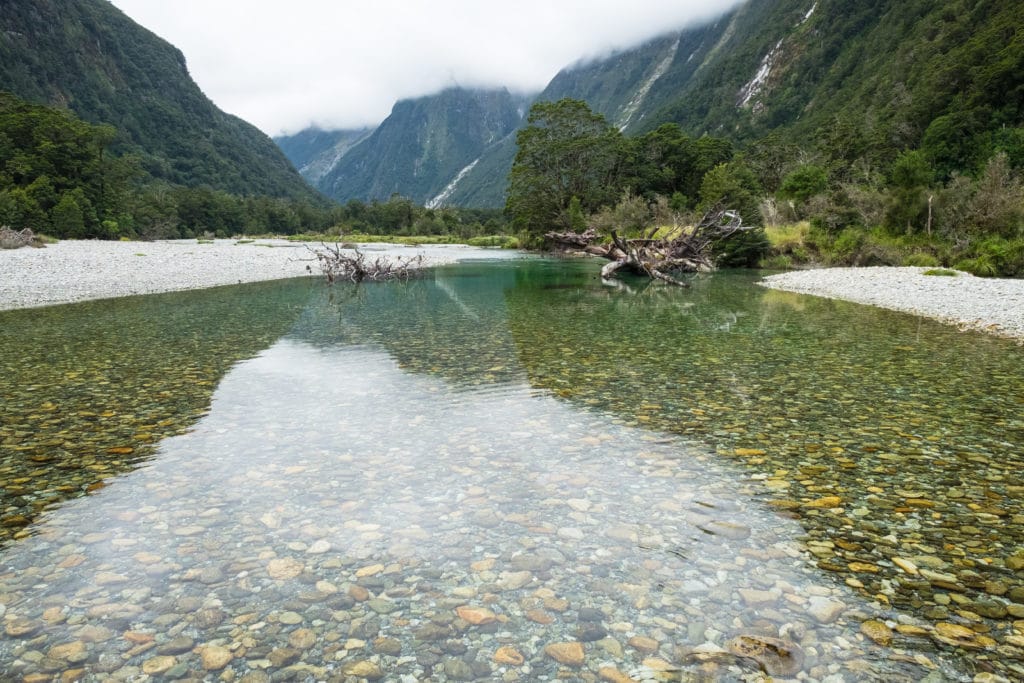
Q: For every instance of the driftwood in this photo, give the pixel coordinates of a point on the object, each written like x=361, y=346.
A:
x=11, y=239
x=689, y=251
x=338, y=263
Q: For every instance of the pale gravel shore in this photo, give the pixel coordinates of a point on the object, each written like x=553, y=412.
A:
x=991, y=305
x=72, y=271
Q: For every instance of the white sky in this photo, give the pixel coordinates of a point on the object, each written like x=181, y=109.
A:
x=342, y=64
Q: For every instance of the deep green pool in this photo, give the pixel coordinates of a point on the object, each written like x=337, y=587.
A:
x=438, y=479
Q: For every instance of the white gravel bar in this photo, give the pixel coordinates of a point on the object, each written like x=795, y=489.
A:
x=991, y=305
x=72, y=270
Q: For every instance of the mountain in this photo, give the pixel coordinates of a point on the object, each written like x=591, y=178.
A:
x=849, y=76
x=420, y=151
x=315, y=152
x=88, y=57
x=899, y=72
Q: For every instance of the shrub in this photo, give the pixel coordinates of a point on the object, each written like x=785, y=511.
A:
x=980, y=266
x=847, y=244
x=777, y=262
x=921, y=259
x=787, y=238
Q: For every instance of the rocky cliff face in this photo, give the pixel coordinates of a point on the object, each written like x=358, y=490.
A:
x=421, y=151
x=315, y=152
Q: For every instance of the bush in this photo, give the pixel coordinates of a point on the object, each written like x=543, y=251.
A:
x=980, y=266
x=742, y=250
x=922, y=260
x=787, y=238
x=777, y=262
x=847, y=244
x=996, y=257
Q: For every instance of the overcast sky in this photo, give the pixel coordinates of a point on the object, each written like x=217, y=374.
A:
x=339, y=63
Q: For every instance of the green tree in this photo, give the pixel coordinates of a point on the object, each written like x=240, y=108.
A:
x=803, y=183
x=565, y=151
x=68, y=217
x=734, y=187
x=909, y=204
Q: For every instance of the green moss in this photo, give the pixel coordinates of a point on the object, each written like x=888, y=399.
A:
x=942, y=272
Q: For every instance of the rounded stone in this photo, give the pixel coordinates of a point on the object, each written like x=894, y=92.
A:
x=215, y=657
x=158, y=665
x=570, y=654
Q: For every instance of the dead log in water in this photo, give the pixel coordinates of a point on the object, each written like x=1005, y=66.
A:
x=688, y=251
x=338, y=263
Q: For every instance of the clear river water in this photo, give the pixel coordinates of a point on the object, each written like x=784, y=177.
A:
x=507, y=471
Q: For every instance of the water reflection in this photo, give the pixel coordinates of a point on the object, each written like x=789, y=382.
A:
x=90, y=389
x=441, y=480
x=332, y=512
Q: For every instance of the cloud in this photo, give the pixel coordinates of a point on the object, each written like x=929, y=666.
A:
x=283, y=66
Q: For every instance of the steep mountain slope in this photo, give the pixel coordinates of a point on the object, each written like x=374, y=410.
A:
x=852, y=78
x=622, y=87
x=896, y=73
x=848, y=77
x=315, y=152
x=89, y=57
x=420, y=150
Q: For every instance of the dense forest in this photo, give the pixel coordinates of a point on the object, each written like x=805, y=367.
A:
x=840, y=200
x=58, y=176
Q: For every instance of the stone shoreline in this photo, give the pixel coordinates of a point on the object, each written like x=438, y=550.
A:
x=995, y=306
x=72, y=271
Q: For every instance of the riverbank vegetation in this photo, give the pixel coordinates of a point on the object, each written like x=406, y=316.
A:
x=847, y=200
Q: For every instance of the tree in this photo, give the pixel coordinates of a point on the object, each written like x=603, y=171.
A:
x=662, y=162
x=68, y=217
x=565, y=151
x=911, y=176
x=803, y=183
x=734, y=187
x=997, y=207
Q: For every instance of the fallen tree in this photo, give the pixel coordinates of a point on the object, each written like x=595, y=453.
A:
x=689, y=250
x=340, y=263
x=11, y=239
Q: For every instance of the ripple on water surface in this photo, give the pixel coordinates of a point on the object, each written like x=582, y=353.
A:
x=424, y=490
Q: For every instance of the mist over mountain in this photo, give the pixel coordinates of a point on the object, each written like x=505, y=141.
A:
x=903, y=72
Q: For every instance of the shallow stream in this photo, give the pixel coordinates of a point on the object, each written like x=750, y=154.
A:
x=508, y=471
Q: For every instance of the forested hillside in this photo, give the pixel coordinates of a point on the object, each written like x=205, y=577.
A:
x=423, y=146
x=88, y=57
x=845, y=81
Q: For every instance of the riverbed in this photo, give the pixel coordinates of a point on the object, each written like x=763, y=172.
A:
x=508, y=471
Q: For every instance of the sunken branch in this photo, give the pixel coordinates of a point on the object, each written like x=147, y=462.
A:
x=686, y=251
x=352, y=265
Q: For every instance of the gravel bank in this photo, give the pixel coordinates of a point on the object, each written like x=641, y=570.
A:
x=990, y=305
x=73, y=271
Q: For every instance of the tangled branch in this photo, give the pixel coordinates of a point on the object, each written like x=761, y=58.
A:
x=688, y=252
x=338, y=264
